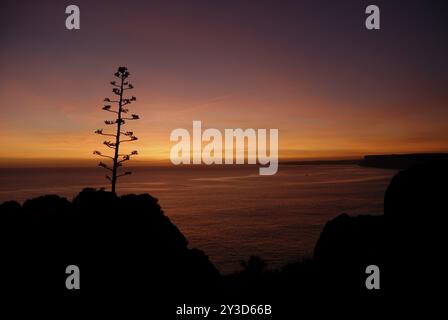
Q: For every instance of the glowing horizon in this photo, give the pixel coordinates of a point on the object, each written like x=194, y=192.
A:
x=332, y=89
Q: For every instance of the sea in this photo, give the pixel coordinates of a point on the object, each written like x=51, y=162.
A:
x=230, y=212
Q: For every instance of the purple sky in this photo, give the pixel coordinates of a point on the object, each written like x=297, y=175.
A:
x=308, y=68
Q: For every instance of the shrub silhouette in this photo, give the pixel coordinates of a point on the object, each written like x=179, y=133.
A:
x=121, y=244
x=253, y=266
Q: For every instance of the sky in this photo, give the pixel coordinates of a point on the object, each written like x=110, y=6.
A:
x=310, y=69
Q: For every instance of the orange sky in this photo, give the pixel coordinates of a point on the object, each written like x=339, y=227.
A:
x=333, y=90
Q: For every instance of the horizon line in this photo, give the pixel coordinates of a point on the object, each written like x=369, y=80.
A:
x=15, y=162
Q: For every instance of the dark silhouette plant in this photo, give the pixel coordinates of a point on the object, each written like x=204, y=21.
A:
x=253, y=266
x=118, y=159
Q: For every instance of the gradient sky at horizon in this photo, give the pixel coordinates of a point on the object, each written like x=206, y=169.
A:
x=308, y=68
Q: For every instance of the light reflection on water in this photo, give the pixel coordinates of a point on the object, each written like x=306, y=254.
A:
x=230, y=212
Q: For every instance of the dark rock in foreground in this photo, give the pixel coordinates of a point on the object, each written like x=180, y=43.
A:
x=127, y=248
x=347, y=245
x=408, y=242
x=121, y=244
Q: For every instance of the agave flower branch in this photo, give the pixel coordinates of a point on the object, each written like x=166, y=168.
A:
x=118, y=159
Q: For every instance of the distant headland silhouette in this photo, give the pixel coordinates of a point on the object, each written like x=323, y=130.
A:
x=400, y=161
x=385, y=161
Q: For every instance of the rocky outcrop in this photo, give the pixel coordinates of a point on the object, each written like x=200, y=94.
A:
x=121, y=244
x=408, y=242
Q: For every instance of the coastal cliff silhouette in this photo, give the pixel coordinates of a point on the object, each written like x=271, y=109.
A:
x=125, y=246
x=121, y=244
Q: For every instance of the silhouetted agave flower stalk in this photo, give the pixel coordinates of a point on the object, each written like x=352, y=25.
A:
x=117, y=159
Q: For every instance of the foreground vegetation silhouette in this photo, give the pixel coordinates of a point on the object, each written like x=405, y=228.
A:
x=120, y=111
x=126, y=248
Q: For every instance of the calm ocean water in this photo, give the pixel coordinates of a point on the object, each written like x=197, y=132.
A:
x=230, y=212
